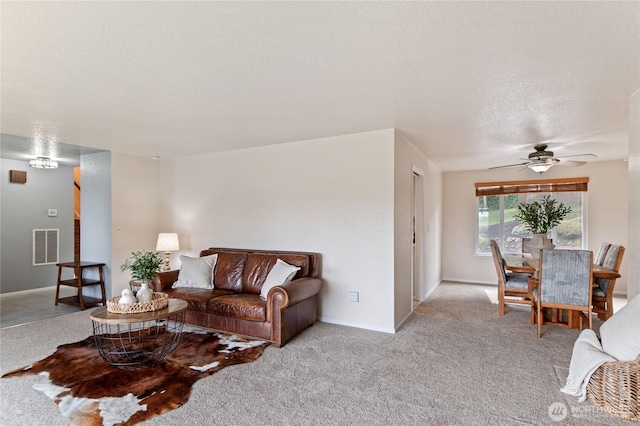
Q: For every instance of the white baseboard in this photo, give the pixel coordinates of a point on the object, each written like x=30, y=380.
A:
x=399, y=326
x=455, y=280
x=356, y=325
x=431, y=291
x=30, y=291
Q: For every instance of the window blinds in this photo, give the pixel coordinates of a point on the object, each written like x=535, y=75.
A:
x=529, y=186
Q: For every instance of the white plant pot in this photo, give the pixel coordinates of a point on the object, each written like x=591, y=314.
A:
x=537, y=243
x=145, y=294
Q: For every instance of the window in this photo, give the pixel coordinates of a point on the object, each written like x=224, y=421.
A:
x=497, y=205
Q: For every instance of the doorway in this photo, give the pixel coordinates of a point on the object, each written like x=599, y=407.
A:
x=417, y=246
x=76, y=214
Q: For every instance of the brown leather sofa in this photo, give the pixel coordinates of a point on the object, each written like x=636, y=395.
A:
x=235, y=306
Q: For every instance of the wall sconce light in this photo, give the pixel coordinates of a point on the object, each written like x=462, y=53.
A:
x=43, y=163
x=167, y=242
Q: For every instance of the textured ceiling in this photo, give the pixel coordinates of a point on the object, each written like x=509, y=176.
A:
x=471, y=84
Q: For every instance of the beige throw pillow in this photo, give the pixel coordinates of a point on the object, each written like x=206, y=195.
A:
x=196, y=272
x=620, y=334
x=281, y=273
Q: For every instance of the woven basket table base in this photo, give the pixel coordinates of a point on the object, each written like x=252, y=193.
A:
x=615, y=387
x=134, y=341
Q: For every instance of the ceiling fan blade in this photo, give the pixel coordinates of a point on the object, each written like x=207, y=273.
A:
x=571, y=163
x=510, y=165
x=578, y=155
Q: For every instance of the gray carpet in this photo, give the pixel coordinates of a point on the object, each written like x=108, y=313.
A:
x=455, y=361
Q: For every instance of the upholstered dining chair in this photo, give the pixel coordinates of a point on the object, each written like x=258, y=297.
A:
x=564, y=283
x=603, y=293
x=512, y=288
x=602, y=253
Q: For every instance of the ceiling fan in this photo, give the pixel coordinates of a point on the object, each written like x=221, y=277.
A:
x=542, y=160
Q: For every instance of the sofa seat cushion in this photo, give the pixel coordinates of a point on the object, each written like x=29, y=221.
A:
x=197, y=298
x=241, y=306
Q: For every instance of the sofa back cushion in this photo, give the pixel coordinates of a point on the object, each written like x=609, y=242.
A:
x=314, y=258
x=259, y=264
x=234, y=273
x=229, y=269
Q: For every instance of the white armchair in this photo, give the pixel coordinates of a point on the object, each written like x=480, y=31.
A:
x=607, y=371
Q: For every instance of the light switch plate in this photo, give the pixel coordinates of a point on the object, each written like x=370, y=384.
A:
x=53, y=212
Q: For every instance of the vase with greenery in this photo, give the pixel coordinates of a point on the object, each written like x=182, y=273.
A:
x=540, y=217
x=143, y=265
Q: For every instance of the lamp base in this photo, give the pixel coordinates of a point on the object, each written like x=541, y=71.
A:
x=167, y=255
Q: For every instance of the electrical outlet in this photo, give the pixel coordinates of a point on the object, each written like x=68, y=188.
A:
x=354, y=296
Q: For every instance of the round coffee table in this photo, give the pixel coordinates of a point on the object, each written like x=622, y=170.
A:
x=133, y=341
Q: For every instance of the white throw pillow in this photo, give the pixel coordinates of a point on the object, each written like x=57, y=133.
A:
x=196, y=272
x=281, y=273
x=620, y=334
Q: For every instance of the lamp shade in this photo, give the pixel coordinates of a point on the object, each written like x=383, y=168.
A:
x=167, y=241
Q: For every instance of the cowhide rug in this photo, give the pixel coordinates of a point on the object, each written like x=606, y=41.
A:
x=89, y=391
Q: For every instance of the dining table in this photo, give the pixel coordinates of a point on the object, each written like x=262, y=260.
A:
x=525, y=264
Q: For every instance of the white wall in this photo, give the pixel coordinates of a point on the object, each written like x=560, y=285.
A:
x=136, y=196
x=332, y=195
x=95, y=225
x=24, y=208
x=633, y=250
x=406, y=158
x=607, y=216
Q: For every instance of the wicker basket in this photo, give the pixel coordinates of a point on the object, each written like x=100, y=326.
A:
x=615, y=387
x=159, y=301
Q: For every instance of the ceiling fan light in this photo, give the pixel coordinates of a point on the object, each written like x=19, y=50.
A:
x=540, y=167
x=43, y=163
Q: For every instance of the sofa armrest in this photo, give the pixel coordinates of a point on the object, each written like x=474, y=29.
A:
x=164, y=280
x=292, y=307
x=293, y=292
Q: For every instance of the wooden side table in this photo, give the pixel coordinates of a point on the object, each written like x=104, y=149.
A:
x=79, y=282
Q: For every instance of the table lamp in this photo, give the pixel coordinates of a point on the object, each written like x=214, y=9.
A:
x=167, y=242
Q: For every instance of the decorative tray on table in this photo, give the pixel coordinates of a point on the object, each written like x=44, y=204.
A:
x=159, y=301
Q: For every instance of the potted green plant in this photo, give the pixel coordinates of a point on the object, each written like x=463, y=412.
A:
x=540, y=217
x=143, y=266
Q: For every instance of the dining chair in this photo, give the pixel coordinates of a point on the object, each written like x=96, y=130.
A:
x=603, y=293
x=564, y=283
x=512, y=288
x=602, y=253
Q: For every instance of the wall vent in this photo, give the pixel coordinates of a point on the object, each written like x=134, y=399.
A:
x=45, y=246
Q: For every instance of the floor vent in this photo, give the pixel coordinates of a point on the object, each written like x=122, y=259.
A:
x=45, y=246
